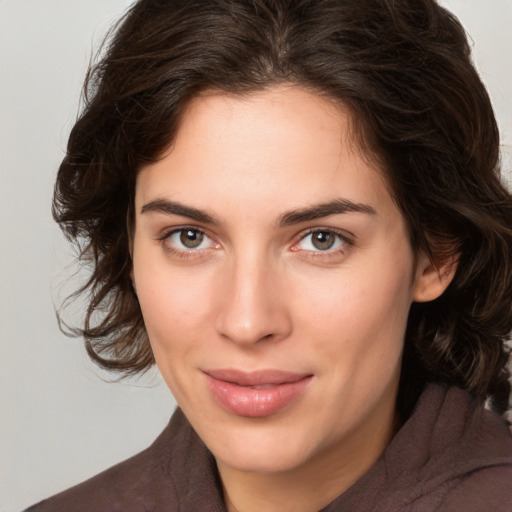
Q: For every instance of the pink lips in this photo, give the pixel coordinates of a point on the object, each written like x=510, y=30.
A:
x=255, y=394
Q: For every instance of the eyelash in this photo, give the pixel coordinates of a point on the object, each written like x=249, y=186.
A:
x=346, y=243
x=187, y=254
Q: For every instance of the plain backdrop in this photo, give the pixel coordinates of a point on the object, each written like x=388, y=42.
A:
x=61, y=418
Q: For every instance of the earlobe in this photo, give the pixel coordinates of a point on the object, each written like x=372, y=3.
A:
x=431, y=279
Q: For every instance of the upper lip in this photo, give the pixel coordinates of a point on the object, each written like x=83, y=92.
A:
x=257, y=377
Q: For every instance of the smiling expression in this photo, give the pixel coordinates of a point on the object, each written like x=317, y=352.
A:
x=275, y=277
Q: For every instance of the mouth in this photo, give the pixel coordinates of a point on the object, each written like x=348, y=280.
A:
x=255, y=394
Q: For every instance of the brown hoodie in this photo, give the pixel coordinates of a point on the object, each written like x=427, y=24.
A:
x=452, y=455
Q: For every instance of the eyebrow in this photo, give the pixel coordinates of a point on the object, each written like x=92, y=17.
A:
x=335, y=207
x=175, y=208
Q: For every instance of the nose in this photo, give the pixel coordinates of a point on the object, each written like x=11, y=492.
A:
x=253, y=306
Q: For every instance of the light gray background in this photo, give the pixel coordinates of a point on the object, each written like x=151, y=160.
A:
x=61, y=421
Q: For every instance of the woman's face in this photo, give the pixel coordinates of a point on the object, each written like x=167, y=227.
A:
x=275, y=277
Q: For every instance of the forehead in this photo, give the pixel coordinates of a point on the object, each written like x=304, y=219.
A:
x=276, y=149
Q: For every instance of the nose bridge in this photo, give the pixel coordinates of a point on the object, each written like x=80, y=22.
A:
x=252, y=308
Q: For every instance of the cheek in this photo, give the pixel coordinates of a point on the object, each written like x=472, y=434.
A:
x=174, y=305
x=361, y=313
x=175, y=311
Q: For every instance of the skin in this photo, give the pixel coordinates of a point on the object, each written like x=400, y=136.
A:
x=257, y=293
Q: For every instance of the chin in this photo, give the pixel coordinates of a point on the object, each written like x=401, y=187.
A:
x=264, y=451
x=250, y=462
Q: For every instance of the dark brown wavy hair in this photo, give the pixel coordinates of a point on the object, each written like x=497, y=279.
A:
x=403, y=67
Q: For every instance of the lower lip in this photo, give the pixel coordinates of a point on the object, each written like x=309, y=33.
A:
x=255, y=402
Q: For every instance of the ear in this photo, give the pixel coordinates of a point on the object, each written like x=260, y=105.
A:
x=433, y=279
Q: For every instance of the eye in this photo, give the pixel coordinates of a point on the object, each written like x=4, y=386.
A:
x=188, y=239
x=322, y=240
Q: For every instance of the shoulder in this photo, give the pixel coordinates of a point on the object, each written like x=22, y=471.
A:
x=125, y=487
x=160, y=478
x=462, y=455
x=488, y=489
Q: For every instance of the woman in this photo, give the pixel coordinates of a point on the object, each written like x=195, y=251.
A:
x=294, y=209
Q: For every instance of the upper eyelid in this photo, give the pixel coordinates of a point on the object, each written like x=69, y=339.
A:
x=347, y=236
x=185, y=252
x=347, y=242
x=164, y=233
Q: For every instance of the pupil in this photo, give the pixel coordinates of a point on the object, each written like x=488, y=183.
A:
x=190, y=238
x=323, y=240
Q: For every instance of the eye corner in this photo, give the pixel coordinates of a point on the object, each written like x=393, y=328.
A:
x=175, y=243
x=322, y=240
x=305, y=249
